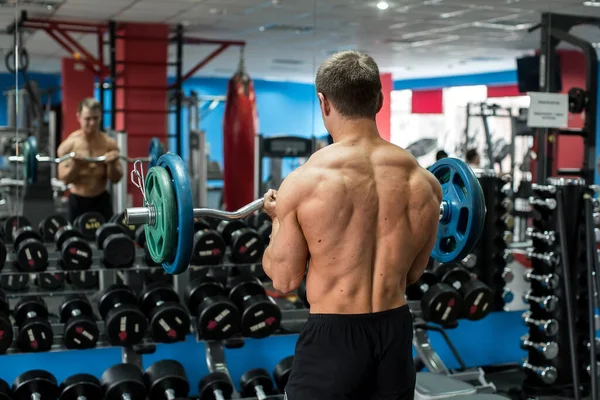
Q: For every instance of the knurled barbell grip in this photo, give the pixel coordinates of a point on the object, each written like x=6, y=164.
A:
x=547, y=374
x=543, y=188
x=549, y=258
x=547, y=326
x=548, y=349
x=548, y=303
x=548, y=203
x=549, y=281
x=547, y=236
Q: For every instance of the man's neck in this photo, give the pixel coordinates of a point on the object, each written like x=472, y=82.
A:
x=351, y=130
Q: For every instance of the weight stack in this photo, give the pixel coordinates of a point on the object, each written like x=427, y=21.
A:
x=491, y=253
x=551, y=336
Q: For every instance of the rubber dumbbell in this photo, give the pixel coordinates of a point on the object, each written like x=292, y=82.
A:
x=549, y=281
x=124, y=322
x=84, y=279
x=118, y=247
x=75, y=252
x=14, y=282
x=32, y=255
x=256, y=383
x=6, y=330
x=87, y=223
x=35, y=332
x=168, y=320
x=282, y=372
x=215, y=386
x=260, y=315
x=546, y=374
x=547, y=327
x=548, y=349
x=130, y=230
x=123, y=382
x=477, y=297
x=440, y=303
x=3, y=254
x=36, y=384
x=166, y=380
x=52, y=279
x=80, y=328
x=11, y=224
x=245, y=243
x=257, y=220
x=209, y=246
x=81, y=387
x=5, y=393
x=546, y=303
x=50, y=225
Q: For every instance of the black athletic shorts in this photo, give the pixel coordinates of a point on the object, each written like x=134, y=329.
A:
x=79, y=205
x=358, y=356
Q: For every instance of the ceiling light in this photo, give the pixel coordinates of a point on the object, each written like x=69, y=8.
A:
x=262, y=29
x=591, y=3
x=383, y=5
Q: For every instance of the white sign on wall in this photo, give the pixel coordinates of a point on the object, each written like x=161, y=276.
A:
x=548, y=110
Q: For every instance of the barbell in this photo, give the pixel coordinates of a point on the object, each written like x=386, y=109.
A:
x=31, y=158
x=168, y=213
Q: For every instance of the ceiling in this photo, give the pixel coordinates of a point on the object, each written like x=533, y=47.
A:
x=287, y=39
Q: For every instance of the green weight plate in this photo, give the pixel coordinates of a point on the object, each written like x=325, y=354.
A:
x=30, y=152
x=161, y=237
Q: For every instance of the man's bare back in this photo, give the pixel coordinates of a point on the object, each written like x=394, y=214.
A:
x=369, y=214
x=87, y=179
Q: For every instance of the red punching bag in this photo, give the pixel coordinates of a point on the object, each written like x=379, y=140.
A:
x=240, y=125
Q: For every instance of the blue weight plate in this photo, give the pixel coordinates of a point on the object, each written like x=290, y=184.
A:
x=185, y=212
x=155, y=151
x=462, y=222
x=30, y=151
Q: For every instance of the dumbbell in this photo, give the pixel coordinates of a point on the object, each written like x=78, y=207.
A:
x=4, y=390
x=88, y=223
x=35, y=332
x=32, y=255
x=256, y=383
x=547, y=327
x=50, y=225
x=549, y=258
x=169, y=321
x=542, y=204
x=549, y=281
x=166, y=380
x=84, y=279
x=130, y=230
x=52, y=279
x=477, y=297
x=118, y=248
x=215, y=386
x=507, y=275
x=440, y=303
x=209, y=246
x=547, y=237
x=80, y=329
x=245, y=243
x=6, y=330
x=123, y=382
x=75, y=252
x=14, y=282
x=81, y=387
x=124, y=322
x=11, y=224
x=36, y=384
x=217, y=317
x=260, y=315
x=548, y=349
x=282, y=372
x=547, y=374
x=257, y=220
x=546, y=303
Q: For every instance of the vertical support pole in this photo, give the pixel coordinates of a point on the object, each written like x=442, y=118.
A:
x=101, y=76
x=113, y=73
x=179, y=89
x=52, y=143
x=547, y=84
x=120, y=188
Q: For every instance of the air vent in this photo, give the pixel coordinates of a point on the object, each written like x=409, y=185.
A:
x=286, y=28
x=284, y=61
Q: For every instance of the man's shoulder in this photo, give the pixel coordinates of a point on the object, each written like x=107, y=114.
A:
x=109, y=140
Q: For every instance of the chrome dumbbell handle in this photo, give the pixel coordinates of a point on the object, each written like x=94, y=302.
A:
x=548, y=303
x=549, y=258
x=543, y=188
x=548, y=327
x=549, y=281
x=548, y=349
x=507, y=204
x=546, y=236
x=507, y=237
x=547, y=203
x=547, y=374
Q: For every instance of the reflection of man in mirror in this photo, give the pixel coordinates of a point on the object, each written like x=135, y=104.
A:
x=473, y=159
x=88, y=179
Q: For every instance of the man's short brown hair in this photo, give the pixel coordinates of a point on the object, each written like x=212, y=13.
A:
x=90, y=103
x=350, y=81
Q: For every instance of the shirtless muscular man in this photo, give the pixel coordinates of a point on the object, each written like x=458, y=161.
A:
x=364, y=216
x=88, y=180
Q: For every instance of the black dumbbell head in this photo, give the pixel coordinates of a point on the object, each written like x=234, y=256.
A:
x=14, y=282
x=156, y=293
x=451, y=273
x=80, y=386
x=166, y=375
x=226, y=228
x=215, y=381
x=4, y=390
x=35, y=332
x=120, y=219
x=200, y=224
x=282, y=372
x=247, y=246
x=197, y=289
x=119, y=251
x=115, y=294
x=84, y=279
x=64, y=233
x=209, y=248
x=35, y=381
x=253, y=378
x=80, y=330
x=50, y=280
x=50, y=225
x=3, y=253
x=127, y=315
x=6, y=333
x=106, y=230
x=441, y=304
x=478, y=300
x=169, y=320
x=11, y=224
x=23, y=233
x=140, y=235
x=88, y=223
x=29, y=304
x=123, y=379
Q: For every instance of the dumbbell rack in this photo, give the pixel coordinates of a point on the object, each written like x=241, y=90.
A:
x=563, y=245
x=491, y=252
x=433, y=362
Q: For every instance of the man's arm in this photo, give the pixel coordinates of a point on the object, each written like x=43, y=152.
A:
x=114, y=170
x=67, y=172
x=284, y=260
